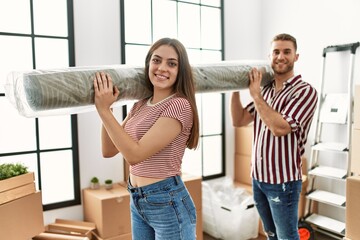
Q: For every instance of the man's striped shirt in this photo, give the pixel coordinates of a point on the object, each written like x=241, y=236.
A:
x=277, y=160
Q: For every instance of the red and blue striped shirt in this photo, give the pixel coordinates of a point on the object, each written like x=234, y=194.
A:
x=276, y=160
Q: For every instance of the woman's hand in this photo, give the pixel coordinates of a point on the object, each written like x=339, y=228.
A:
x=105, y=92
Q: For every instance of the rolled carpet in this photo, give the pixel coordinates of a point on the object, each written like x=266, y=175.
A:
x=70, y=90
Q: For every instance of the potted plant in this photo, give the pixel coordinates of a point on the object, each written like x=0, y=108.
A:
x=9, y=170
x=14, y=175
x=108, y=184
x=94, y=183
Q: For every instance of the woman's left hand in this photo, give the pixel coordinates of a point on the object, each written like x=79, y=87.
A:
x=105, y=92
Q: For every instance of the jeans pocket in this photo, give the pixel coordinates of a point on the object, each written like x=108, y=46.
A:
x=159, y=199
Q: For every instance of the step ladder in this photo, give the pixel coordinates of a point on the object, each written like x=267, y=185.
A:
x=335, y=111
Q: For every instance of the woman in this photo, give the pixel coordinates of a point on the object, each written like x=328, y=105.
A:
x=152, y=139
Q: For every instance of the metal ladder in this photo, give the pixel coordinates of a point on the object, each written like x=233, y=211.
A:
x=334, y=110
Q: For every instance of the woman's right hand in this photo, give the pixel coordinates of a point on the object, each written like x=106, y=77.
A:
x=105, y=92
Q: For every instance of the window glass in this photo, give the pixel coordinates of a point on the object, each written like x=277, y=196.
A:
x=50, y=17
x=212, y=155
x=138, y=21
x=210, y=56
x=135, y=55
x=211, y=122
x=192, y=161
x=194, y=56
x=191, y=1
x=189, y=27
x=17, y=133
x=55, y=132
x=215, y=3
x=14, y=16
x=164, y=19
x=46, y=48
x=210, y=28
x=57, y=180
x=15, y=55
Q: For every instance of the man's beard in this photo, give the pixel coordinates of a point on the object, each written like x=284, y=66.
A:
x=288, y=68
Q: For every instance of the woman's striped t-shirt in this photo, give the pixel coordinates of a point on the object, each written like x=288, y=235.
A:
x=142, y=117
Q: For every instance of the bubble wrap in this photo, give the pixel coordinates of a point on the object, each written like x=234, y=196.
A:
x=70, y=90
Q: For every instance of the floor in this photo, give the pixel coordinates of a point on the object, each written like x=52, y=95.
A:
x=318, y=236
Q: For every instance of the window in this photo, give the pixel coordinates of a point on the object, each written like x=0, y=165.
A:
x=38, y=34
x=198, y=25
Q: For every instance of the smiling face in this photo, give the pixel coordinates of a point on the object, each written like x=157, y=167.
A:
x=283, y=56
x=163, y=68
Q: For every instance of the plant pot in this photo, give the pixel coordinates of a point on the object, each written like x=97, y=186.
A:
x=108, y=186
x=94, y=185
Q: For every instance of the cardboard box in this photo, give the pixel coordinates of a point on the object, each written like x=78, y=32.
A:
x=243, y=169
x=17, y=181
x=58, y=236
x=302, y=199
x=126, y=236
x=357, y=107
x=243, y=140
x=352, y=207
x=355, y=151
x=199, y=225
x=193, y=184
x=71, y=227
x=22, y=218
x=108, y=209
x=15, y=193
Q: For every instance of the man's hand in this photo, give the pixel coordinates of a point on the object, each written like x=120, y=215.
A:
x=255, y=77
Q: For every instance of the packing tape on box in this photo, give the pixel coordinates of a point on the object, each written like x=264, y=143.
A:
x=70, y=90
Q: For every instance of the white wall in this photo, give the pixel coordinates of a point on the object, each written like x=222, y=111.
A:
x=249, y=27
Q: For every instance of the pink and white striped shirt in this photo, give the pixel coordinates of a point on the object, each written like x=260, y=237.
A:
x=277, y=160
x=143, y=115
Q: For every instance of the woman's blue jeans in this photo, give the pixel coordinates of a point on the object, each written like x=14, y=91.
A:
x=277, y=205
x=162, y=211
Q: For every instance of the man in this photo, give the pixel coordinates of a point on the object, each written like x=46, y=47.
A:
x=282, y=112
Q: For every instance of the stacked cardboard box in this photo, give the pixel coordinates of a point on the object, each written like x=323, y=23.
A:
x=67, y=229
x=16, y=187
x=21, y=214
x=352, y=207
x=109, y=210
x=355, y=150
x=353, y=182
x=243, y=151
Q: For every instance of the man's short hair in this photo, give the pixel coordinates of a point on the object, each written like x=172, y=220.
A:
x=285, y=37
